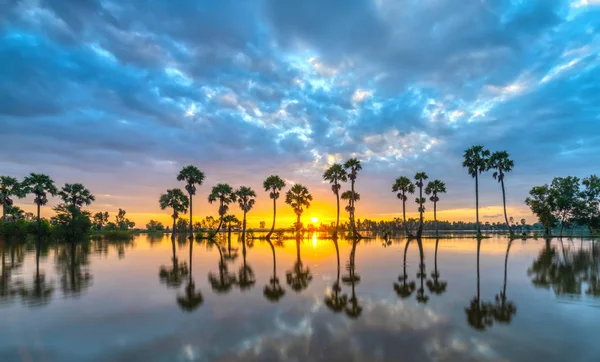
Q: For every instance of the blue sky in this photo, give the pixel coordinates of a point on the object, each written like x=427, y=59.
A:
x=120, y=95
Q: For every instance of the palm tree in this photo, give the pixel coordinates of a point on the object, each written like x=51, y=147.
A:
x=175, y=199
x=192, y=299
x=353, y=166
x=434, y=188
x=404, y=290
x=299, y=277
x=40, y=185
x=350, y=197
x=273, y=184
x=501, y=163
x=298, y=198
x=336, y=174
x=192, y=176
x=245, y=197
x=334, y=300
x=476, y=161
x=420, y=177
x=230, y=219
x=435, y=285
x=504, y=310
x=76, y=195
x=402, y=186
x=9, y=186
x=273, y=291
x=225, y=195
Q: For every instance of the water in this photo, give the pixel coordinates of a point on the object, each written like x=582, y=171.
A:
x=112, y=302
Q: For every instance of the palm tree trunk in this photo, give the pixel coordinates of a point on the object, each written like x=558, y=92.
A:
x=220, y=217
x=337, y=220
x=404, y=214
x=191, y=253
x=244, y=231
x=274, y=215
x=174, y=226
x=297, y=222
x=356, y=234
x=420, y=232
x=38, y=218
x=435, y=217
x=274, y=259
x=405, y=250
x=437, y=242
x=4, y=212
x=504, y=203
x=477, y=204
x=191, y=221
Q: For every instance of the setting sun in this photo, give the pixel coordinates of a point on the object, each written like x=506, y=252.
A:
x=314, y=219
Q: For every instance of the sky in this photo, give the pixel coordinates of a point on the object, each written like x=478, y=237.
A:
x=121, y=95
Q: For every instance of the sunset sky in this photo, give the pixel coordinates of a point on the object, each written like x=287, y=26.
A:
x=120, y=95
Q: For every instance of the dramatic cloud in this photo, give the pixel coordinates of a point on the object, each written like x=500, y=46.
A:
x=122, y=94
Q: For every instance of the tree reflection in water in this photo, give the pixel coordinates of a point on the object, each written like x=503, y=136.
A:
x=40, y=292
x=174, y=275
x=335, y=300
x=246, y=278
x=353, y=308
x=192, y=298
x=422, y=274
x=273, y=291
x=435, y=285
x=299, y=277
x=479, y=314
x=404, y=289
x=224, y=281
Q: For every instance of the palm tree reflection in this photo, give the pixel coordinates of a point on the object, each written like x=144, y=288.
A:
x=435, y=285
x=354, y=309
x=404, y=289
x=273, y=291
x=246, y=279
x=334, y=300
x=72, y=266
x=479, y=314
x=191, y=299
x=421, y=297
x=223, y=282
x=41, y=291
x=174, y=275
x=504, y=309
x=299, y=277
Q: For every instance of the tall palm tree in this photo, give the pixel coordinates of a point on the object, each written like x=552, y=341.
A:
x=476, y=161
x=402, y=186
x=336, y=174
x=501, y=163
x=40, y=185
x=435, y=285
x=273, y=291
x=225, y=195
x=334, y=300
x=404, y=289
x=76, y=195
x=245, y=198
x=192, y=177
x=176, y=200
x=353, y=166
x=273, y=184
x=192, y=299
x=299, y=277
x=298, y=198
x=420, y=177
x=9, y=186
x=351, y=198
x=434, y=188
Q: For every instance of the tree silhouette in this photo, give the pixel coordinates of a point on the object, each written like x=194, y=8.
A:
x=224, y=194
x=402, y=186
x=273, y=184
x=245, y=198
x=404, y=289
x=420, y=177
x=501, y=163
x=191, y=299
x=435, y=285
x=41, y=291
x=40, y=185
x=192, y=176
x=273, y=291
x=434, y=188
x=476, y=161
x=246, y=279
x=422, y=274
x=299, y=277
x=541, y=203
x=9, y=187
x=176, y=200
x=352, y=166
x=100, y=219
x=350, y=198
x=336, y=301
x=230, y=219
x=299, y=199
x=336, y=174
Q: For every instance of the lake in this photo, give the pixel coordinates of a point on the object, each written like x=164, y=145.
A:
x=129, y=301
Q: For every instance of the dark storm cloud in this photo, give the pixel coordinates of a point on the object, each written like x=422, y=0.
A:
x=292, y=86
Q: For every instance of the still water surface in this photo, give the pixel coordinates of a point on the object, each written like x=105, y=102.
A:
x=129, y=302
